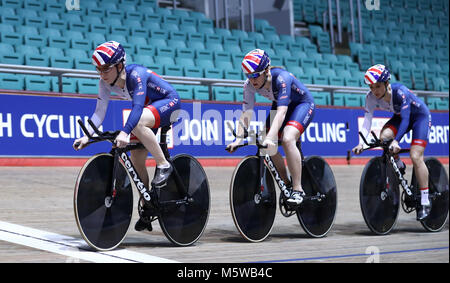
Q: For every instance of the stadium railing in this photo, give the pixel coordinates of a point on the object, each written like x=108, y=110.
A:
x=60, y=73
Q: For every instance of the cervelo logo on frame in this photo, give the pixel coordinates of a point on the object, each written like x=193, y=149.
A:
x=73, y=5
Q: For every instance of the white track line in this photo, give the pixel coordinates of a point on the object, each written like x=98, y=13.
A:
x=68, y=246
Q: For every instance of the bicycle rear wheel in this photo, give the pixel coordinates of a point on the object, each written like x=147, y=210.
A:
x=317, y=216
x=379, y=196
x=184, y=223
x=438, y=194
x=252, y=207
x=103, y=221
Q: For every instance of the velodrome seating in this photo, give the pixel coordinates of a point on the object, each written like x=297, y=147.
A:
x=409, y=36
x=184, y=43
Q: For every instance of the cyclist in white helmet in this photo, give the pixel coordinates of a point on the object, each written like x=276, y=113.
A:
x=294, y=109
x=154, y=104
x=410, y=113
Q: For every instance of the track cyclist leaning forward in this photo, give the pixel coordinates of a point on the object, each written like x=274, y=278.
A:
x=294, y=107
x=410, y=113
x=154, y=105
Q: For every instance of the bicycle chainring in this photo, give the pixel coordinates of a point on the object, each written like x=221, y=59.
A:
x=408, y=202
x=285, y=209
x=146, y=212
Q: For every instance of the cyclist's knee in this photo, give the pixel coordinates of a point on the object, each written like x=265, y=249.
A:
x=290, y=136
x=288, y=141
x=387, y=134
x=416, y=156
x=140, y=128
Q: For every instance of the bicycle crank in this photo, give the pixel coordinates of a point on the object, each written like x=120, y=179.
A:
x=285, y=209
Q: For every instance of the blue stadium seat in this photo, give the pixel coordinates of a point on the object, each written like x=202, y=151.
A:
x=69, y=84
x=223, y=94
x=87, y=86
x=11, y=81
x=201, y=93
x=37, y=83
x=185, y=91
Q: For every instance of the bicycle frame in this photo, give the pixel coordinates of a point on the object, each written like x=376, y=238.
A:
x=143, y=190
x=267, y=161
x=390, y=157
x=121, y=153
x=269, y=164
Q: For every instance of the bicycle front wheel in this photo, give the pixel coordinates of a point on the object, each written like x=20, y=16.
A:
x=438, y=194
x=103, y=219
x=379, y=196
x=253, y=207
x=316, y=216
x=183, y=223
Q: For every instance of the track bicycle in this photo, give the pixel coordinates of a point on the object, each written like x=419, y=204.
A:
x=380, y=196
x=253, y=195
x=103, y=197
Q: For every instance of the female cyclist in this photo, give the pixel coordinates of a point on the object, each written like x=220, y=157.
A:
x=294, y=109
x=410, y=113
x=154, y=105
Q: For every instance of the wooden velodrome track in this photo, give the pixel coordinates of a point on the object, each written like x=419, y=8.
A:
x=37, y=225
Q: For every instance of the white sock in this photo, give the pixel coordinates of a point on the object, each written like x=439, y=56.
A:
x=424, y=196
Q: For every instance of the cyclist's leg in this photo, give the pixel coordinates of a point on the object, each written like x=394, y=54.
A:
x=388, y=132
x=154, y=116
x=420, y=130
x=277, y=158
x=139, y=157
x=389, y=129
x=150, y=118
x=296, y=122
x=420, y=169
x=290, y=135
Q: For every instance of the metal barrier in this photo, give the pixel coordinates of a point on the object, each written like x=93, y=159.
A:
x=60, y=73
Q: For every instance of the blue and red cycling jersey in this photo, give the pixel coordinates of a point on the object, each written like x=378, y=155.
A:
x=410, y=113
x=285, y=90
x=146, y=89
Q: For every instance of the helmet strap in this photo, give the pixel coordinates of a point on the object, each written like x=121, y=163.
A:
x=118, y=72
x=385, y=90
x=265, y=80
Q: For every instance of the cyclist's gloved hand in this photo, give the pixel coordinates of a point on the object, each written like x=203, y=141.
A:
x=232, y=146
x=121, y=139
x=358, y=149
x=80, y=143
x=272, y=146
x=394, y=147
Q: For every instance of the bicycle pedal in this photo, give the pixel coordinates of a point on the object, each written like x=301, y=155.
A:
x=143, y=224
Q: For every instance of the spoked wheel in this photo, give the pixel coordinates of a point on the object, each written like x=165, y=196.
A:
x=184, y=222
x=317, y=212
x=102, y=219
x=253, y=207
x=438, y=194
x=379, y=196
